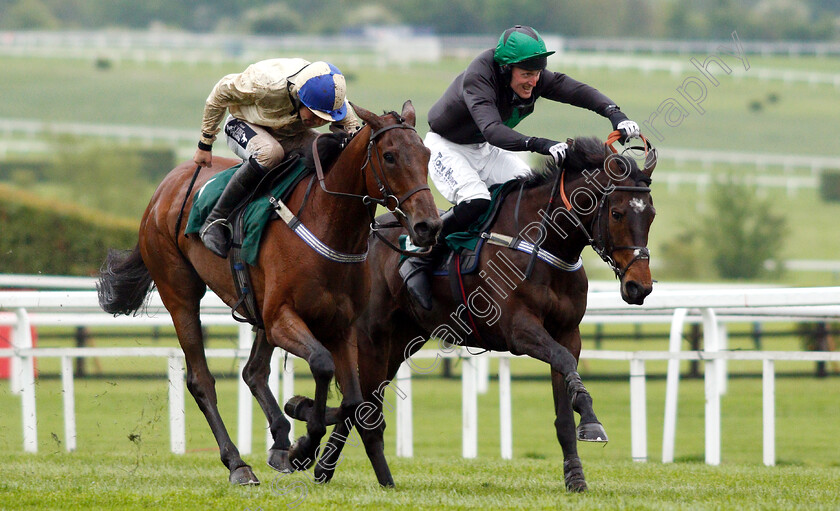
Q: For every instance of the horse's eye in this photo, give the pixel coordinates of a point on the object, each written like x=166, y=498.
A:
x=389, y=158
x=617, y=215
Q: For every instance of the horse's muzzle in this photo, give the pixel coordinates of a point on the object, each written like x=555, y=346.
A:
x=424, y=232
x=634, y=292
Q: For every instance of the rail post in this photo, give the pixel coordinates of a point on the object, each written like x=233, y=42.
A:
x=638, y=410
x=469, y=410
x=712, y=386
x=25, y=385
x=177, y=424
x=672, y=386
x=405, y=419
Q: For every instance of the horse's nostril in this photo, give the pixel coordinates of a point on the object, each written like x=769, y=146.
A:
x=422, y=229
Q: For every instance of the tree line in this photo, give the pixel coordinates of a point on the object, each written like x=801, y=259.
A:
x=813, y=20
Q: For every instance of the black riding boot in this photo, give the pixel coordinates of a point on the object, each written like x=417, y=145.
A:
x=216, y=231
x=417, y=271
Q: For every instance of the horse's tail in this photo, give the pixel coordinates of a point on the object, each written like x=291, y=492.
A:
x=124, y=282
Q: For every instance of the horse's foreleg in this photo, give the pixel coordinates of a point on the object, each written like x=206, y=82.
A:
x=291, y=333
x=590, y=429
x=201, y=385
x=255, y=375
x=347, y=376
x=532, y=339
x=564, y=424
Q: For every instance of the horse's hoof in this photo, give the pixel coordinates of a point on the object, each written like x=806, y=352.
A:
x=323, y=475
x=244, y=476
x=279, y=460
x=298, y=457
x=573, y=470
x=592, y=432
x=296, y=407
x=388, y=485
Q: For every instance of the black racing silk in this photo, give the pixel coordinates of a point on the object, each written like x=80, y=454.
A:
x=480, y=106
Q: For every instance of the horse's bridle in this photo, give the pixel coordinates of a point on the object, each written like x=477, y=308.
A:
x=388, y=198
x=601, y=244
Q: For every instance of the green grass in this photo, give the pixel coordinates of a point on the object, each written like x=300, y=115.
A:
x=108, y=481
x=123, y=459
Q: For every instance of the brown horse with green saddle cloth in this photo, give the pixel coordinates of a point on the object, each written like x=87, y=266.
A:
x=308, y=279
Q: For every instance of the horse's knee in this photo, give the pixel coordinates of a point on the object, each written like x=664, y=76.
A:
x=254, y=376
x=201, y=390
x=322, y=365
x=350, y=404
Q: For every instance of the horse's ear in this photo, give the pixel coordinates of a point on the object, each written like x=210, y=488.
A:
x=650, y=161
x=367, y=116
x=408, y=113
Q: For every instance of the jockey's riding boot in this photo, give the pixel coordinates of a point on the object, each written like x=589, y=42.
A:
x=216, y=231
x=417, y=271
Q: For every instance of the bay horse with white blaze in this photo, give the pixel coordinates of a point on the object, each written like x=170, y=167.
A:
x=307, y=301
x=526, y=308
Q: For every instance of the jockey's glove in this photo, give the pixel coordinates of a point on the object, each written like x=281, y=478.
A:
x=623, y=124
x=558, y=151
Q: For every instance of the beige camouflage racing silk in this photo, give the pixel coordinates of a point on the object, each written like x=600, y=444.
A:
x=264, y=94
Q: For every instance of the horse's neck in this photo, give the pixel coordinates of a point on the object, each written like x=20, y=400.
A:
x=563, y=236
x=342, y=223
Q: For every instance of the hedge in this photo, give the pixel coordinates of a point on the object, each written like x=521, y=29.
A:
x=830, y=185
x=45, y=236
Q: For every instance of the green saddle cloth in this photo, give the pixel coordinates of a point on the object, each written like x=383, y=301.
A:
x=257, y=213
x=468, y=239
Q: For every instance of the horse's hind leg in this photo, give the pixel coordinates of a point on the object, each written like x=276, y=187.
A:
x=183, y=306
x=255, y=375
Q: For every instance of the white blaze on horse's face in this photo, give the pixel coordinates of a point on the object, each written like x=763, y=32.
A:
x=637, y=204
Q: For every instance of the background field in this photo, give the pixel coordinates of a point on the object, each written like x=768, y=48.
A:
x=793, y=118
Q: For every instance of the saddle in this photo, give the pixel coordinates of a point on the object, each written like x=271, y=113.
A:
x=248, y=221
x=466, y=246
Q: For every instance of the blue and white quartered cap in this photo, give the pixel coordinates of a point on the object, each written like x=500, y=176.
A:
x=323, y=90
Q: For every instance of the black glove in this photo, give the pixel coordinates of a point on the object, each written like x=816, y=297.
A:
x=540, y=145
x=621, y=122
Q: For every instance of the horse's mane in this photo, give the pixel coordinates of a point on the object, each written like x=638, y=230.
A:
x=330, y=146
x=583, y=153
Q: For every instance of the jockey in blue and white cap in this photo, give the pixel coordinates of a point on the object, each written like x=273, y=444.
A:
x=273, y=106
